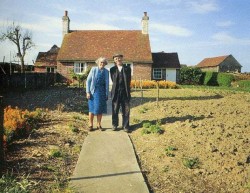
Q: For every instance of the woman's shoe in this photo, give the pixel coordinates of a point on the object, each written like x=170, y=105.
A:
x=100, y=127
x=91, y=128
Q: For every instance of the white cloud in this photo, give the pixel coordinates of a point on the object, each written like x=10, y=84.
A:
x=224, y=23
x=203, y=6
x=225, y=38
x=171, y=29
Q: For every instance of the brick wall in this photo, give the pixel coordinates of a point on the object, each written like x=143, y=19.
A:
x=142, y=71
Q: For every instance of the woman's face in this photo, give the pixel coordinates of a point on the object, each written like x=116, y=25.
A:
x=101, y=64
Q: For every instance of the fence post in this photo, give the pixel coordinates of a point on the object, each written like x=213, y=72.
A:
x=158, y=93
x=141, y=90
x=2, y=159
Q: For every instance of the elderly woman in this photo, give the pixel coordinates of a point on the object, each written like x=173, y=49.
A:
x=97, y=90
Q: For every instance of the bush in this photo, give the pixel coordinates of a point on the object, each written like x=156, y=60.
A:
x=217, y=79
x=19, y=123
x=190, y=75
x=225, y=79
x=209, y=78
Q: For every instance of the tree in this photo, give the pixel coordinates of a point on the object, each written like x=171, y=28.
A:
x=22, y=39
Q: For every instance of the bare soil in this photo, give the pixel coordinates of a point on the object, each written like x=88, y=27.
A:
x=210, y=126
x=47, y=156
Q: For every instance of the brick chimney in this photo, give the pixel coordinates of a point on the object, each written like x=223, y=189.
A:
x=65, y=24
x=144, y=23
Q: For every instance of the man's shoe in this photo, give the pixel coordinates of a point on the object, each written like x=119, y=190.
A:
x=126, y=130
x=114, y=128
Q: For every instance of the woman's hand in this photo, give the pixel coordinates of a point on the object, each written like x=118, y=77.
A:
x=88, y=95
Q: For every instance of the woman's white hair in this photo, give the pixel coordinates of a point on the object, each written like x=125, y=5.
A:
x=101, y=59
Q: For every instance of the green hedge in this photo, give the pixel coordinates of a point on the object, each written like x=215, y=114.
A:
x=217, y=79
x=225, y=79
x=209, y=78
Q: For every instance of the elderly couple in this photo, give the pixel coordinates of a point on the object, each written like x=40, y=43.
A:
x=97, y=89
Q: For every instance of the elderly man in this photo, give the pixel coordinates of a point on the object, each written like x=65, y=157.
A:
x=120, y=93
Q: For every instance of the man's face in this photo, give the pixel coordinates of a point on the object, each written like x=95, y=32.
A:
x=118, y=60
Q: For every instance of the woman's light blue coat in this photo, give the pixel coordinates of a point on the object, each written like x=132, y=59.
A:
x=91, y=80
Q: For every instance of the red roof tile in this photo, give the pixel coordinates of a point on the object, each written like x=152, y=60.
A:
x=212, y=62
x=47, y=58
x=89, y=45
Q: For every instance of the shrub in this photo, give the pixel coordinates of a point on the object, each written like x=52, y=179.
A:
x=225, y=79
x=190, y=75
x=19, y=123
x=209, y=78
x=217, y=79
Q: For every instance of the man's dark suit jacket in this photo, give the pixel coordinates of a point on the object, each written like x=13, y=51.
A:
x=127, y=79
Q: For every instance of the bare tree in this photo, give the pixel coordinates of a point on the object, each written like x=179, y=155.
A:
x=22, y=39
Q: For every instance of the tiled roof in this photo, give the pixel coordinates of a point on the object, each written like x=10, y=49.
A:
x=88, y=45
x=47, y=58
x=165, y=60
x=212, y=62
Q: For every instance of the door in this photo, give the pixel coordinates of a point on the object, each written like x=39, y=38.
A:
x=171, y=75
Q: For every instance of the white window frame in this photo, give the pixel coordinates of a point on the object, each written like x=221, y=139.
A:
x=50, y=69
x=80, y=67
x=155, y=71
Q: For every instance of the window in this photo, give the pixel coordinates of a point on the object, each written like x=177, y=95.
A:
x=157, y=73
x=50, y=69
x=80, y=68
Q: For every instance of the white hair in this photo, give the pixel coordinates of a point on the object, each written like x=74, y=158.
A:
x=101, y=59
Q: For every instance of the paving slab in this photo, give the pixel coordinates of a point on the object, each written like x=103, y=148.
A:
x=107, y=163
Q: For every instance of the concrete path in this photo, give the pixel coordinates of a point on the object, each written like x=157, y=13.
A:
x=107, y=163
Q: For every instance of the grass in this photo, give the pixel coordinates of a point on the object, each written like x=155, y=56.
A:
x=10, y=184
x=224, y=88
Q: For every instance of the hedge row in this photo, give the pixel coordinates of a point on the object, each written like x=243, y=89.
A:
x=194, y=76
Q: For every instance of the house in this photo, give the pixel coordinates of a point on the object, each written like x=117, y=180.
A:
x=46, y=61
x=80, y=49
x=166, y=66
x=220, y=64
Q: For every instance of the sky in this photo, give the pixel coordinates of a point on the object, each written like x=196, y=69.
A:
x=195, y=29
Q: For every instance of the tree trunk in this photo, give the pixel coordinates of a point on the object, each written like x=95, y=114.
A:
x=22, y=65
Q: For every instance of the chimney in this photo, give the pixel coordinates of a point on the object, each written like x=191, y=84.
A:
x=65, y=23
x=144, y=22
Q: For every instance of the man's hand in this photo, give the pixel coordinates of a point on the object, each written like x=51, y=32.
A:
x=88, y=95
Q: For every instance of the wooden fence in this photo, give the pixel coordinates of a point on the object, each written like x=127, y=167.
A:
x=27, y=80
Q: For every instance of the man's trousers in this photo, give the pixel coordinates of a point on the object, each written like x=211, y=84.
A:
x=124, y=104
